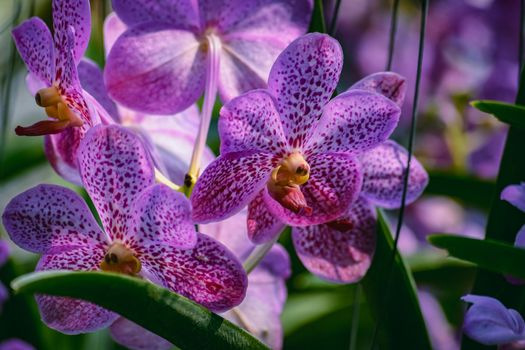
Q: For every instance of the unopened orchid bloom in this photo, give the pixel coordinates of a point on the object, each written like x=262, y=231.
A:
x=260, y=311
x=341, y=250
x=53, y=79
x=147, y=233
x=489, y=322
x=175, y=51
x=288, y=152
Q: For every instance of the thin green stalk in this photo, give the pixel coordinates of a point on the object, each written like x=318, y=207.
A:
x=392, y=36
x=333, y=23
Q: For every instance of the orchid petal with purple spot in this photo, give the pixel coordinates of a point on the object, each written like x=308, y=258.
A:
x=251, y=122
x=302, y=80
x=208, y=274
x=134, y=337
x=61, y=152
x=389, y=84
x=46, y=218
x=334, y=184
x=162, y=214
x=74, y=14
x=263, y=226
x=383, y=169
x=229, y=183
x=354, y=121
x=115, y=168
x=340, y=251
x=154, y=68
x=35, y=45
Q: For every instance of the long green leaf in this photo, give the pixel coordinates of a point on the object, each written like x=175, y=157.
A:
x=401, y=322
x=506, y=112
x=173, y=317
x=491, y=255
x=318, y=24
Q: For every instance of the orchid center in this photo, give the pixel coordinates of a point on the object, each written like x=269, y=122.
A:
x=120, y=259
x=285, y=183
x=56, y=108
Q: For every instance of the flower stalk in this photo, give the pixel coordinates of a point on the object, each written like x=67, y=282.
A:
x=257, y=255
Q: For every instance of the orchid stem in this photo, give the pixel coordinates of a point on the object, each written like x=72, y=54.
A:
x=164, y=180
x=257, y=255
x=210, y=93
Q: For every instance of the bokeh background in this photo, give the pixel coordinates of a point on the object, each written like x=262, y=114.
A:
x=471, y=53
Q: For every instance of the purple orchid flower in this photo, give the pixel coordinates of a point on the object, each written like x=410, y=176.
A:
x=341, y=250
x=288, y=152
x=260, y=311
x=53, y=79
x=15, y=344
x=489, y=322
x=170, y=45
x=147, y=233
x=515, y=195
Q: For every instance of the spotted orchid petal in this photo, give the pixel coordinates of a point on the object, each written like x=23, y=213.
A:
x=181, y=13
x=339, y=251
x=383, y=169
x=73, y=316
x=209, y=273
x=229, y=184
x=263, y=225
x=61, y=152
x=115, y=167
x=74, y=14
x=302, y=80
x=354, y=121
x=154, y=68
x=515, y=195
x=134, y=337
x=162, y=214
x=35, y=45
x=251, y=122
x=92, y=80
x=489, y=322
x=49, y=218
x=389, y=84
x=113, y=28
x=335, y=182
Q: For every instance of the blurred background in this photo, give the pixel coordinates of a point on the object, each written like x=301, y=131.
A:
x=471, y=53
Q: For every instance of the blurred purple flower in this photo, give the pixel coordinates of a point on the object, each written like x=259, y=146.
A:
x=147, y=232
x=260, y=311
x=515, y=195
x=15, y=344
x=4, y=254
x=287, y=151
x=488, y=322
x=341, y=250
x=159, y=64
x=441, y=334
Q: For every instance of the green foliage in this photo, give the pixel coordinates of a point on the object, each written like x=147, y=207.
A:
x=174, y=317
x=507, y=113
x=398, y=311
x=491, y=255
x=318, y=23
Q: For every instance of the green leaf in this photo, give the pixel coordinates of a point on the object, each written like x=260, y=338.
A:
x=491, y=255
x=506, y=112
x=175, y=318
x=317, y=24
x=469, y=189
x=401, y=320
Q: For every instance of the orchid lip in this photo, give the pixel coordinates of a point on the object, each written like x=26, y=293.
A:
x=120, y=259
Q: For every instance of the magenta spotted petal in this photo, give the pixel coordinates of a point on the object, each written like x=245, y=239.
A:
x=251, y=122
x=362, y=119
x=334, y=183
x=161, y=214
x=262, y=225
x=383, y=169
x=134, y=337
x=229, y=183
x=73, y=14
x=389, y=84
x=50, y=218
x=61, y=152
x=115, y=168
x=340, y=251
x=489, y=322
x=73, y=316
x=208, y=274
x=161, y=55
x=302, y=79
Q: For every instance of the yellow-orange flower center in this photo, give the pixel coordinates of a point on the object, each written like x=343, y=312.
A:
x=286, y=179
x=120, y=259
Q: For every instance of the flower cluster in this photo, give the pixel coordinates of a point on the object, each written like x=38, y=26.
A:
x=131, y=133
